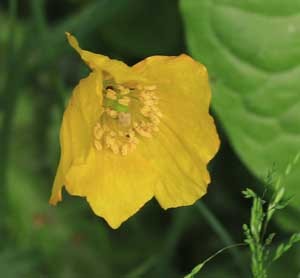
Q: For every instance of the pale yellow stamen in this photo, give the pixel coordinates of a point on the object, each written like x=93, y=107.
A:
x=111, y=143
x=112, y=113
x=98, y=145
x=146, y=110
x=98, y=131
x=120, y=87
x=150, y=87
x=121, y=131
x=124, y=101
x=124, y=149
x=123, y=90
x=154, y=119
x=149, y=102
x=158, y=113
x=131, y=137
x=115, y=148
x=143, y=132
x=111, y=94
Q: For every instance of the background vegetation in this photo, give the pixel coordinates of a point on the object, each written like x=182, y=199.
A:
x=251, y=49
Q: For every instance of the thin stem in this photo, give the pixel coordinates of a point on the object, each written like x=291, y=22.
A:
x=223, y=235
x=161, y=259
x=197, y=268
x=37, y=10
x=143, y=268
x=7, y=99
x=9, y=103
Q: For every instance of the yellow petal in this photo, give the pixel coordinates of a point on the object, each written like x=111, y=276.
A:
x=119, y=70
x=83, y=111
x=188, y=139
x=183, y=176
x=115, y=186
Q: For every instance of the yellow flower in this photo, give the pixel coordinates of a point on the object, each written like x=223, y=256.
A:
x=132, y=133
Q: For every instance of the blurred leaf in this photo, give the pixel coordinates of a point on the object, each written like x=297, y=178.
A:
x=13, y=265
x=145, y=28
x=290, y=259
x=284, y=247
x=27, y=205
x=251, y=51
x=81, y=24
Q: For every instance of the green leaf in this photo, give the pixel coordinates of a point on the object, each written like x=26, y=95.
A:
x=251, y=49
x=199, y=267
x=284, y=247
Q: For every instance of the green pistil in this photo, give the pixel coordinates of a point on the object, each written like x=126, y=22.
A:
x=113, y=104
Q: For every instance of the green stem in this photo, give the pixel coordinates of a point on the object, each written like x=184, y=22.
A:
x=141, y=270
x=197, y=268
x=7, y=113
x=224, y=236
x=8, y=100
x=37, y=10
x=161, y=260
x=16, y=72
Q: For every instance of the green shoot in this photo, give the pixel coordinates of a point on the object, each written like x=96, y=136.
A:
x=256, y=237
x=262, y=212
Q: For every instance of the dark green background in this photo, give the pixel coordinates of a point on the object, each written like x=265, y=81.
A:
x=38, y=70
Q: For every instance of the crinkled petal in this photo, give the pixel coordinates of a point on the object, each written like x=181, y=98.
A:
x=115, y=186
x=117, y=69
x=187, y=140
x=83, y=111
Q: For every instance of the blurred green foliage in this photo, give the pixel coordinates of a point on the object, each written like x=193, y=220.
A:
x=37, y=73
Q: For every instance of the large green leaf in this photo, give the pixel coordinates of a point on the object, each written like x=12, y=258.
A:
x=252, y=51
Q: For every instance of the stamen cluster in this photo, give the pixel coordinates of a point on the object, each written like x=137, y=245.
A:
x=130, y=111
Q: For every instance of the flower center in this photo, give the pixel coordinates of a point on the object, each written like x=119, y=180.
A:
x=130, y=112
